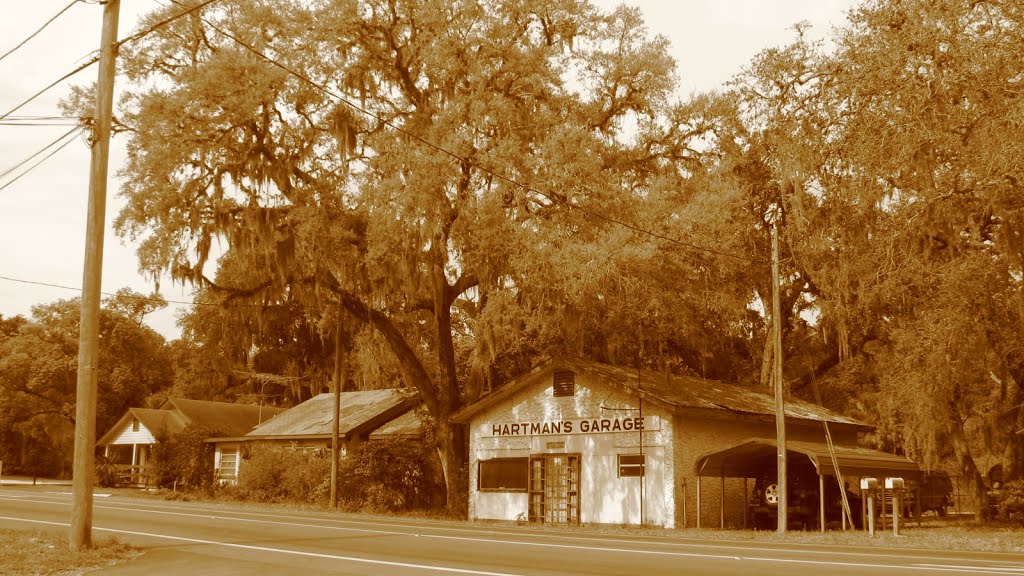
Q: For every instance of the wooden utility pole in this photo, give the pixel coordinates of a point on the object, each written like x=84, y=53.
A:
x=337, y=411
x=780, y=406
x=88, y=336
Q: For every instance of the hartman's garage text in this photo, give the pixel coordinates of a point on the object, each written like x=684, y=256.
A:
x=596, y=425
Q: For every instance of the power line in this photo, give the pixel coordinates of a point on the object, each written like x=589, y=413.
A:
x=326, y=90
x=142, y=298
x=37, y=153
x=41, y=28
x=95, y=57
x=71, y=132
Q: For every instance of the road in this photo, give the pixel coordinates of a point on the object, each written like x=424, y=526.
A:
x=223, y=539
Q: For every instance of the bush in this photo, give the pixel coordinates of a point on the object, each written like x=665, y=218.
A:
x=1012, y=505
x=387, y=476
x=184, y=460
x=394, y=475
x=278, y=474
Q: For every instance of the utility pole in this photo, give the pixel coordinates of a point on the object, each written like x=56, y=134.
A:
x=88, y=337
x=780, y=407
x=335, y=432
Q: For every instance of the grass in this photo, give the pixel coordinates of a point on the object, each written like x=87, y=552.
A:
x=46, y=553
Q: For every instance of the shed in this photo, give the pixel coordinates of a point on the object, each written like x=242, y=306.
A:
x=309, y=426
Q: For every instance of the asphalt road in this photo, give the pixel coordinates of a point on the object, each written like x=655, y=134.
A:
x=214, y=539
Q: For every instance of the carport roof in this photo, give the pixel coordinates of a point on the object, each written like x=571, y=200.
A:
x=744, y=460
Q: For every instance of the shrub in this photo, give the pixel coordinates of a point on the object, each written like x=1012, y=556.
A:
x=277, y=473
x=1012, y=505
x=395, y=475
x=184, y=460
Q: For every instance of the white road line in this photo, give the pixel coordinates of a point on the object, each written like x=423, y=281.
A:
x=866, y=565
x=281, y=550
x=993, y=569
x=667, y=542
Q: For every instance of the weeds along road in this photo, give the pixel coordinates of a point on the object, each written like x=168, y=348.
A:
x=198, y=539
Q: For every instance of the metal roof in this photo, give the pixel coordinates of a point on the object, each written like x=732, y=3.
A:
x=679, y=393
x=754, y=455
x=359, y=412
x=407, y=425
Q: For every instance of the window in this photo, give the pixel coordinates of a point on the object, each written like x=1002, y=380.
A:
x=502, y=475
x=135, y=424
x=228, y=464
x=565, y=383
x=631, y=465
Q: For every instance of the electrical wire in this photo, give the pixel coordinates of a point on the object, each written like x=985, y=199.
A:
x=40, y=120
x=138, y=298
x=554, y=199
x=41, y=28
x=37, y=153
x=95, y=57
x=70, y=135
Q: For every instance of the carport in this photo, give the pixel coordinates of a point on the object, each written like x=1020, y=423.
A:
x=750, y=458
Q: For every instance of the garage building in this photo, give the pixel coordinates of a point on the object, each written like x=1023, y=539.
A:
x=574, y=441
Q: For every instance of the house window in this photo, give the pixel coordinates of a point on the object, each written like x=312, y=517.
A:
x=228, y=464
x=135, y=424
x=565, y=383
x=631, y=465
x=503, y=475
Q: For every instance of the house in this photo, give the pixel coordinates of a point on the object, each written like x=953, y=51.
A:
x=573, y=441
x=388, y=413
x=130, y=441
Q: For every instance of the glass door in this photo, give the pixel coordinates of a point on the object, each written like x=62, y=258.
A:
x=554, y=488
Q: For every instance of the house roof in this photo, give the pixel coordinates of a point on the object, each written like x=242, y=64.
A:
x=681, y=394
x=359, y=413
x=407, y=425
x=157, y=422
x=231, y=419
x=754, y=455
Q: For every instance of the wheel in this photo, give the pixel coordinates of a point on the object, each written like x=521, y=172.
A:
x=771, y=493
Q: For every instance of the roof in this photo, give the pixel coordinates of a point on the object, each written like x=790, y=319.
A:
x=158, y=422
x=231, y=419
x=681, y=394
x=407, y=425
x=748, y=458
x=359, y=413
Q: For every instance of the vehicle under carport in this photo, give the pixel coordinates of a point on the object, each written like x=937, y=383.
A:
x=813, y=491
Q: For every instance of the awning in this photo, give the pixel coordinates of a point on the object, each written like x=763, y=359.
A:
x=750, y=458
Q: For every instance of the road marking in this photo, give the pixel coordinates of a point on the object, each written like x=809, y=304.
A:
x=280, y=550
x=156, y=507
x=997, y=569
x=914, y=567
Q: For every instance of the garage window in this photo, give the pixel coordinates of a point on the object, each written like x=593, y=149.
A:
x=631, y=465
x=502, y=475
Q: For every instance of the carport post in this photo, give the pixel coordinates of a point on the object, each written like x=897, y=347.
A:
x=721, y=514
x=698, y=501
x=821, y=499
x=746, y=505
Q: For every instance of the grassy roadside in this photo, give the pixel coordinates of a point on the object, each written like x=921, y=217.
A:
x=45, y=553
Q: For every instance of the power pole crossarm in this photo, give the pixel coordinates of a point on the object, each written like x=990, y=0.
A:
x=88, y=340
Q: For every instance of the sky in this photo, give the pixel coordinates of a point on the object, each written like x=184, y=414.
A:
x=42, y=214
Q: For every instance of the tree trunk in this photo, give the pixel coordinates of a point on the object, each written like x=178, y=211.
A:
x=451, y=452
x=1013, y=453
x=967, y=467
